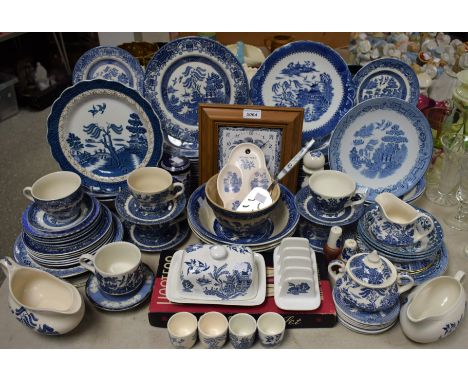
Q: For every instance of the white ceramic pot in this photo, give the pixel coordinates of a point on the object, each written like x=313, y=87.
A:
x=435, y=309
x=40, y=301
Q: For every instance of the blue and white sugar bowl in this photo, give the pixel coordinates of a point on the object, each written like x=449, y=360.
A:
x=369, y=282
x=218, y=272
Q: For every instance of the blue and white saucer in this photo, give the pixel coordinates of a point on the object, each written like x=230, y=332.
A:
x=22, y=256
x=39, y=224
x=318, y=234
x=309, y=211
x=152, y=239
x=129, y=209
x=120, y=303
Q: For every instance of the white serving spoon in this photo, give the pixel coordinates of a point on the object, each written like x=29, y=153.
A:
x=260, y=198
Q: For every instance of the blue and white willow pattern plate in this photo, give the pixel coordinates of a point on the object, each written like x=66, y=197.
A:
x=384, y=144
x=22, y=257
x=189, y=71
x=103, y=130
x=387, y=77
x=310, y=75
x=112, y=64
x=120, y=303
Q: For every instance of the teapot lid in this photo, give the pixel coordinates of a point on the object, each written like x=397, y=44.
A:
x=371, y=270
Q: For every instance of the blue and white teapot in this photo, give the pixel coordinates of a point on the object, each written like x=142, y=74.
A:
x=369, y=281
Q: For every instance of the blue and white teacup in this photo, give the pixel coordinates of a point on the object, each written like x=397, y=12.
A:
x=242, y=330
x=58, y=194
x=182, y=329
x=332, y=191
x=153, y=188
x=271, y=327
x=117, y=267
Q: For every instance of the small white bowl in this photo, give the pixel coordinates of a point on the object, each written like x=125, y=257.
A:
x=242, y=329
x=271, y=327
x=212, y=330
x=182, y=330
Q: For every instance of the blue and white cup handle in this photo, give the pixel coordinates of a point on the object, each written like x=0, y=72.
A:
x=8, y=266
x=357, y=199
x=27, y=192
x=87, y=261
x=421, y=232
x=402, y=288
x=176, y=194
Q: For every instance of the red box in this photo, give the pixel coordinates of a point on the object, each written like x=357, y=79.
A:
x=160, y=309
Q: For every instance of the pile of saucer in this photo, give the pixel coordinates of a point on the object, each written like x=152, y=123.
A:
x=281, y=223
x=188, y=150
x=422, y=262
x=152, y=231
x=56, y=246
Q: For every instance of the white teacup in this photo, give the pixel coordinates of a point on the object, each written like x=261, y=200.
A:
x=332, y=191
x=271, y=327
x=182, y=329
x=212, y=330
x=59, y=194
x=153, y=187
x=117, y=267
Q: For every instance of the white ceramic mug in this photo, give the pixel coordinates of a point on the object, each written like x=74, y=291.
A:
x=332, y=191
x=59, y=194
x=117, y=267
x=212, y=330
x=182, y=329
x=153, y=187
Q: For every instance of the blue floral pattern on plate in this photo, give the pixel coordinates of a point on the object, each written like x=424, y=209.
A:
x=114, y=131
x=310, y=75
x=112, y=64
x=387, y=77
x=309, y=211
x=385, y=144
x=186, y=72
x=129, y=209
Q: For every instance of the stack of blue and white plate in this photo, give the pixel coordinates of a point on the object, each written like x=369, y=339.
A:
x=420, y=262
x=56, y=246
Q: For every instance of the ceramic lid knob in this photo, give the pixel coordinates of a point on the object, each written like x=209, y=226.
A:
x=373, y=257
x=218, y=252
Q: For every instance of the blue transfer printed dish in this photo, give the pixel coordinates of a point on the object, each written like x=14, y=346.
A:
x=384, y=144
x=310, y=212
x=103, y=130
x=387, y=77
x=154, y=239
x=38, y=224
x=112, y=64
x=189, y=71
x=22, y=257
x=120, y=303
x=310, y=75
x=128, y=208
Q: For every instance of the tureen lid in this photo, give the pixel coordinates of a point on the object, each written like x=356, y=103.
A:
x=174, y=163
x=371, y=270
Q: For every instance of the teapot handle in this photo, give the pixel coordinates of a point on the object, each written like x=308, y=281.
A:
x=332, y=273
x=407, y=286
x=8, y=266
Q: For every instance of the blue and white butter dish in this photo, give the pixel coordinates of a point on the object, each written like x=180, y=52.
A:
x=217, y=274
x=296, y=286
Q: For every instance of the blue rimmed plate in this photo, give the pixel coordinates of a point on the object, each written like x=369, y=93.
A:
x=120, y=303
x=153, y=239
x=384, y=144
x=201, y=219
x=415, y=192
x=38, y=224
x=103, y=130
x=310, y=75
x=309, y=211
x=22, y=257
x=189, y=71
x=112, y=64
x=387, y=77
x=129, y=209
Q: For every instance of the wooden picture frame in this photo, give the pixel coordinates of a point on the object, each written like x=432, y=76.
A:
x=277, y=130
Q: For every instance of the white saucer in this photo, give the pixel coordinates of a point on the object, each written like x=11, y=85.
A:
x=173, y=285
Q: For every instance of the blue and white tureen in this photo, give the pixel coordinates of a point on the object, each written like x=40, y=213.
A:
x=369, y=282
x=217, y=272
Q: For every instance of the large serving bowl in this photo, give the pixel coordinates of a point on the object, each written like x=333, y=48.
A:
x=239, y=222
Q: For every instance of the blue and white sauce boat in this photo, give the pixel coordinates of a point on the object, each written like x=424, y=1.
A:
x=399, y=223
x=40, y=301
x=369, y=281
